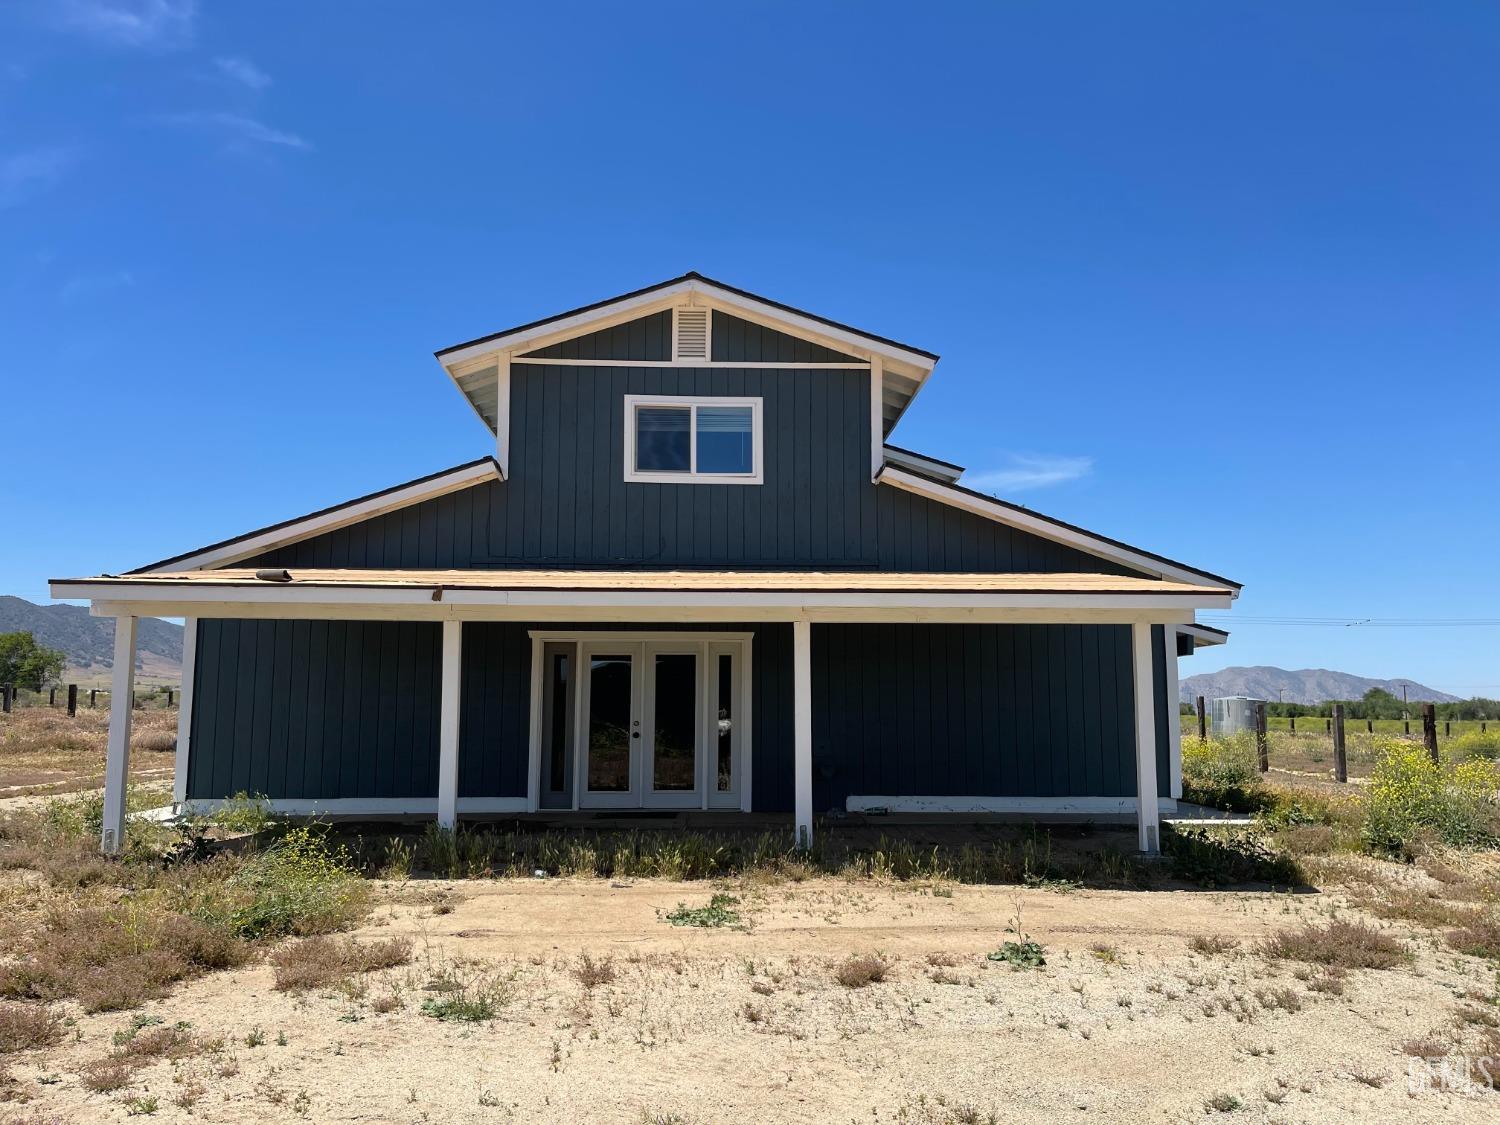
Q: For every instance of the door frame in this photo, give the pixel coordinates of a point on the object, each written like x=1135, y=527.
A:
x=706, y=645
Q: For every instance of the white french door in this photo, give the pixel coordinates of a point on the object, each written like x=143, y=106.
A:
x=660, y=722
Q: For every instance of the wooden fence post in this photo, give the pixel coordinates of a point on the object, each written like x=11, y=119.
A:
x=1260, y=737
x=1340, y=761
x=1429, y=730
x=72, y=700
x=1406, y=726
x=1447, y=728
x=1293, y=720
x=5, y=693
x=1202, y=721
x=1370, y=726
x=92, y=693
x=51, y=697
x=169, y=697
x=1327, y=726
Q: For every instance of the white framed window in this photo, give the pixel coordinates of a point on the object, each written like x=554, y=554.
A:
x=690, y=439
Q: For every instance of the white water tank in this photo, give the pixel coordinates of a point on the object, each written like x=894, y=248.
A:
x=1234, y=714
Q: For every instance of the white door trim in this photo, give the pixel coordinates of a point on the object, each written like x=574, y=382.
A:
x=706, y=645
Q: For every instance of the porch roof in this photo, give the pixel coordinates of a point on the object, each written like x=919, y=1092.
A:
x=443, y=592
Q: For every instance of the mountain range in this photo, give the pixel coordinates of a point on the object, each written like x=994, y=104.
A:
x=89, y=642
x=1306, y=685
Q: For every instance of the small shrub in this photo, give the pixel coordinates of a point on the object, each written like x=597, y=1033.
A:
x=1217, y=858
x=861, y=970
x=1410, y=798
x=143, y=1105
x=718, y=912
x=106, y=1075
x=591, y=973
x=1224, y=1103
x=1476, y=744
x=26, y=1026
x=1341, y=944
x=1222, y=772
x=1212, y=944
x=243, y=813
x=299, y=885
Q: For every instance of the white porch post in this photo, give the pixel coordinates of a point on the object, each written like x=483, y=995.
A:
x=117, y=756
x=448, y=724
x=1174, y=715
x=802, y=730
x=1147, y=812
x=185, y=710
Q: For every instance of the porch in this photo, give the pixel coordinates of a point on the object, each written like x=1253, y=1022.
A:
x=637, y=693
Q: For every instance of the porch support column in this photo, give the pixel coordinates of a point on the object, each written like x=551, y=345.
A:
x=117, y=755
x=185, y=710
x=1147, y=813
x=802, y=730
x=1174, y=715
x=448, y=724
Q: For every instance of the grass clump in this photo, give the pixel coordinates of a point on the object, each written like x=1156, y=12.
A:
x=109, y=958
x=1340, y=945
x=322, y=962
x=467, y=992
x=1479, y=937
x=1221, y=772
x=1224, y=857
x=1410, y=798
x=301, y=885
x=719, y=912
x=244, y=812
x=861, y=970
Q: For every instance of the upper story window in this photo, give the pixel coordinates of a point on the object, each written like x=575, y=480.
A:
x=674, y=439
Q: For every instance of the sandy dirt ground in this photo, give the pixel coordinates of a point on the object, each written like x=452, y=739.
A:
x=1124, y=1023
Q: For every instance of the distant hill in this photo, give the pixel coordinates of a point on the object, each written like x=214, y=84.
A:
x=1307, y=685
x=88, y=642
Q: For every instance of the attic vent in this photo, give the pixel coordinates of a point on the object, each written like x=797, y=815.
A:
x=692, y=334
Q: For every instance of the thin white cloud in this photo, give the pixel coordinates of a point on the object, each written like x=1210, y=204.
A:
x=244, y=72
x=1026, y=471
x=23, y=175
x=132, y=23
x=238, y=129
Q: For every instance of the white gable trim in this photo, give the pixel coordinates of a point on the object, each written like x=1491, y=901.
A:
x=1048, y=529
x=254, y=543
x=1203, y=636
x=699, y=292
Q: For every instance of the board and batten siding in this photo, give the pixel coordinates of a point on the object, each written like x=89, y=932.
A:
x=319, y=710
x=567, y=503
x=975, y=710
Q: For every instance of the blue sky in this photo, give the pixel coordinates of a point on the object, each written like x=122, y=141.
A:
x=1217, y=279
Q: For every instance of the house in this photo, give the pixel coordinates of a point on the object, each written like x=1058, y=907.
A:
x=693, y=575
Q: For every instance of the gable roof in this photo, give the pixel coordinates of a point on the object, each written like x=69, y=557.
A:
x=229, y=551
x=904, y=367
x=1024, y=519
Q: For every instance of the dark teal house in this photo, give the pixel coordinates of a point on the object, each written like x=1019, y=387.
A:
x=694, y=574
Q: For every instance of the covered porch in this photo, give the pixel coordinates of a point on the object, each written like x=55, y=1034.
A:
x=636, y=693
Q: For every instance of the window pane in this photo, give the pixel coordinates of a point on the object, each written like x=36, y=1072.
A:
x=724, y=436
x=663, y=443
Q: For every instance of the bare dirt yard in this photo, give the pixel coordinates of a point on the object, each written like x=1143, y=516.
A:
x=245, y=972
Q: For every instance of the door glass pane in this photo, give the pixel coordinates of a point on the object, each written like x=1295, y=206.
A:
x=663, y=442
x=676, y=713
x=724, y=435
x=724, y=737
x=609, y=724
x=557, y=748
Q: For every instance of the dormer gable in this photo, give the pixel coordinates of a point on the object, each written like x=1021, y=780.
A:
x=689, y=321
